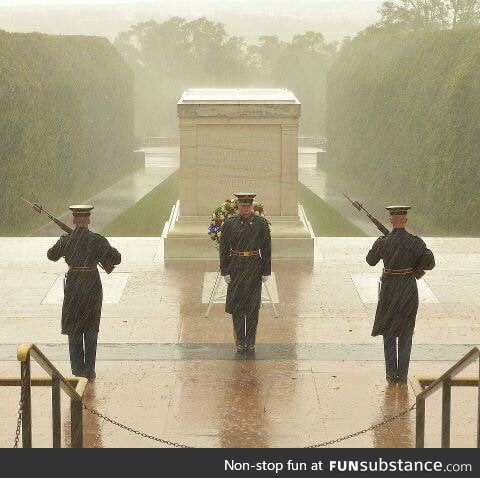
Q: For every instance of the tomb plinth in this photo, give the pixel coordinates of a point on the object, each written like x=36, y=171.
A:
x=238, y=140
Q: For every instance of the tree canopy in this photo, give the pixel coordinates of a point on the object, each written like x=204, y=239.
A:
x=429, y=14
x=177, y=54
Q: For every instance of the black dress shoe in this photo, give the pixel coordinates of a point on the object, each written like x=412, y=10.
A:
x=250, y=348
x=391, y=379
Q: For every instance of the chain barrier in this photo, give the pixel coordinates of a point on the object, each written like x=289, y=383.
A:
x=317, y=445
x=19, y=423
x=365, y=430
x=132, y=430
x=180, y=445
x=20, y=415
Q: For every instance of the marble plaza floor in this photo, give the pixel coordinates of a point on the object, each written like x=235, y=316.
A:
x=165, y=368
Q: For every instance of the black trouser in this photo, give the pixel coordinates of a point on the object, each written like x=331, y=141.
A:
x=397, y=357
x=245, y=327
x=83, y=352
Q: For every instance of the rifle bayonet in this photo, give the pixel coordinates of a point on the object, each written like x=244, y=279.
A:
x=37, y=208
x=419, y=273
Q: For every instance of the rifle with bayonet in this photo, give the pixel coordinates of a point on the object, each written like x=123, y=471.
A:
x=36, y=207
x=418, y=273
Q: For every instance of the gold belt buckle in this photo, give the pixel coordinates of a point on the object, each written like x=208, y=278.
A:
x=245, y=253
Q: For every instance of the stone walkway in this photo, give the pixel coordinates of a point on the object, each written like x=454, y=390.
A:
x=330, y=190
x=166, y=369
x=160, y=163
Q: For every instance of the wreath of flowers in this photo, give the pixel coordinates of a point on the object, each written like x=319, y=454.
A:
x=221, y=213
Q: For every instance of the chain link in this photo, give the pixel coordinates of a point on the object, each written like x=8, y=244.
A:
x=180, y=445
x=317, y=445
x=365, y=430
x=19, y=423
x=132, y=430
x=20, y=415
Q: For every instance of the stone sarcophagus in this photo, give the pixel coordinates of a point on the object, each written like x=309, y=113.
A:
x=238, y=140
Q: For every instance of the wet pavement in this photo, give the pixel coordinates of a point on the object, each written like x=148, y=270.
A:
x=331, y=190
x=166, y=369
x=160, y=163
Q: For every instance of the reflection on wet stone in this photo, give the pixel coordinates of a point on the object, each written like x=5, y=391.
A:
x=165, y=369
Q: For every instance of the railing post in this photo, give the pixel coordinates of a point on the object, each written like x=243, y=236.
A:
x=76, y=423
x=446, y=412
x=420, y=423
x=56, y=413
x=26, y=392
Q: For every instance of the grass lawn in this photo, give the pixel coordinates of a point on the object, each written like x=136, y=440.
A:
x=148, y=216
x=325, y=220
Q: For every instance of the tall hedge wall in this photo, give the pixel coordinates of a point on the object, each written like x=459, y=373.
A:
x=404, y=124
x=66, y=123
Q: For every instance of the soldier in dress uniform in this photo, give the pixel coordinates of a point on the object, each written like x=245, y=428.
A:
x=82, y=303
x=404, y=256
x=245, y=262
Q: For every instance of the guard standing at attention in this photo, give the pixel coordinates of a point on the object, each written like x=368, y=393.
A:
x=404, y=257
x=83, y=294
x=245, y=262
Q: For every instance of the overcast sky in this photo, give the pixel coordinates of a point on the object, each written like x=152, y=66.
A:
x=68, y=2
x=98, y=2
x=285, y=18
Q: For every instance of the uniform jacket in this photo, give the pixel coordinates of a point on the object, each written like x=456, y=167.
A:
x=245, y=288
x=83, y=294
x=398, y=301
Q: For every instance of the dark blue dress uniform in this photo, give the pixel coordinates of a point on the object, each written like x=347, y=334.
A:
x=245, y=255
x=403, y=254
x=83, y=293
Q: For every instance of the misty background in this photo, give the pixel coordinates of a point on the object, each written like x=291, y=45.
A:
x=247, y=18
x=394, y=86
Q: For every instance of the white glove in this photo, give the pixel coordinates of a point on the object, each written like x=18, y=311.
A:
x=265, y=278
x=227, y=278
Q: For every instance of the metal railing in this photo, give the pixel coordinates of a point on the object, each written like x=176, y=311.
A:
x=73, y=387
x=315, y=141
x=445, y=382
x=159, y=141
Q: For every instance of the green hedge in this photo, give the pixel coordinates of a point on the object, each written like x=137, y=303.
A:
x=404, y=124
x=66, y=123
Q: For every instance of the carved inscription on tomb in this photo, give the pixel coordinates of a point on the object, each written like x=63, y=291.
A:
x=233, y=158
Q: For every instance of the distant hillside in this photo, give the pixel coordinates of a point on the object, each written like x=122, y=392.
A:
x=404, y=124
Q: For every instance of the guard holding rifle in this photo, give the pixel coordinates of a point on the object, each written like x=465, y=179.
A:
x=245, y=261
x=83, y=294
x=405, y=257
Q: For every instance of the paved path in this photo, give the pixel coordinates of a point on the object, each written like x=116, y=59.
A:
x=160, y=163
x=330, y=190
x=166, y=369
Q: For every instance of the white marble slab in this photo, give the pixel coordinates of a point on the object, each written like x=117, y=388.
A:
x=237, y=95
x=221, y=292
x=367, y=288
x=113, y=287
